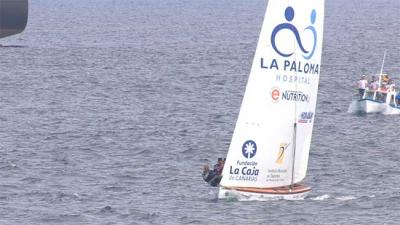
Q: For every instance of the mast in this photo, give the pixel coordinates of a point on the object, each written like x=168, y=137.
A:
x=294, y=154
x=294, y=124
x=380, y=74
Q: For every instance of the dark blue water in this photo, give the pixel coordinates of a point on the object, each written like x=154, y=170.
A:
x=109, y=108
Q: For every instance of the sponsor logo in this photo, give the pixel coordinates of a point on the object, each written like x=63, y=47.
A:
x=275, y=94
x=276, y=175
x=249, y=149
x=294, y=96
x=292, y=79
x=305, y=40
x=306, y=117
x=245, y=170
x=290, y=66
x=281, y=153
x=289, y=16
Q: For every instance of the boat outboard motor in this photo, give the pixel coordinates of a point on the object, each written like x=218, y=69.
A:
x=13, y=17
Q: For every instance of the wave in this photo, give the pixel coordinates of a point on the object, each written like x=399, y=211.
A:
x=340, y=198
x=320, y=198
x=352, y=107
x=346, y=198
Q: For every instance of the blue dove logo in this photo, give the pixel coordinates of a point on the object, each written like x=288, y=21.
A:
x=289, y=15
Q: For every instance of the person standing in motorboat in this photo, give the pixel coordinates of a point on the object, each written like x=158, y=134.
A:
x=390, y=87
x=385, y=79
x=382, y=91
x=362, y=85
x=373, y=84
x=397, y=98
x=391, y=90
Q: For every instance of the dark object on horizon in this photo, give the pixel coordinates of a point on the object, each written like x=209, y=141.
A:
x=13, y=17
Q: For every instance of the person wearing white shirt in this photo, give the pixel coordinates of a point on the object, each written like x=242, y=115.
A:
x=362, y=85
x=390, y=86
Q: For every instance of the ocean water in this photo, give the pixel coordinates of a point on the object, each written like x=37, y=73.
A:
x=108, y=110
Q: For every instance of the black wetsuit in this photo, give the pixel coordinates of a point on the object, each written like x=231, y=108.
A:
x=212, y=178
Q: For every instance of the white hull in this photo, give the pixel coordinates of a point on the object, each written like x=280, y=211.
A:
x=371, y=106
x=366, y=106
x=391, y=110
x=239, y=195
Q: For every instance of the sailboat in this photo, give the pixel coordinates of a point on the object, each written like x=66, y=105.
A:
x=269, y=150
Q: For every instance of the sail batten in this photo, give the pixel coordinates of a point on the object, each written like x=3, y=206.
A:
x=281, y=91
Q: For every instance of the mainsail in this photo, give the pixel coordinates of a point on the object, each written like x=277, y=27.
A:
x=272, y=137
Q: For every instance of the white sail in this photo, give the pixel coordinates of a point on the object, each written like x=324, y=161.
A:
x=281, y=91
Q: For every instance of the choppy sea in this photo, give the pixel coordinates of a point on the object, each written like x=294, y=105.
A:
x=109, y=108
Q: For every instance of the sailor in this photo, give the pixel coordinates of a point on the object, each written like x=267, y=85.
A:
x=219, y=166
x=362, y=85
x=207, y=173
x=213, y=177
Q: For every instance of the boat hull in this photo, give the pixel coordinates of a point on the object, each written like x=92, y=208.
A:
x=298, y=192
x=391, y=110
x=367, y=106
x=371, y=106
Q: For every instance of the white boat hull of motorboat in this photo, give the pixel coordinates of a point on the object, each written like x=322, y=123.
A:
x=367, y=106
x=391, y=110
x=299, y=192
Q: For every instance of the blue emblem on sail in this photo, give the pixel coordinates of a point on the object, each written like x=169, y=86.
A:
x=289, y=15
x=249, y=149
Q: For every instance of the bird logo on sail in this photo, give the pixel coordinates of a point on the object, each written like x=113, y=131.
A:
x=249, y=149
x=281, y=153
x=289, y=15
